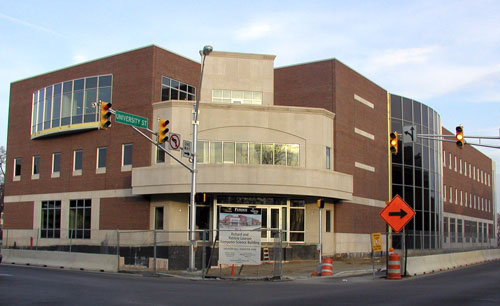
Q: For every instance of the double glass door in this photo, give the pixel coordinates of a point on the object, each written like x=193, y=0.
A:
x=272, y=220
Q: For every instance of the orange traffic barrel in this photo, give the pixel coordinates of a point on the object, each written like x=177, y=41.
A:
x=394, y=268
x=327, y=267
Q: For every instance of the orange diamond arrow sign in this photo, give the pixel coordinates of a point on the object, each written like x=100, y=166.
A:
x=397, y=213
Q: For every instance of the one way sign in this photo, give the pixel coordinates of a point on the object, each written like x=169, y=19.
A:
x=397, y=213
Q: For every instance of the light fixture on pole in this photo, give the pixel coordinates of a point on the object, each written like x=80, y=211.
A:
x=192, y=204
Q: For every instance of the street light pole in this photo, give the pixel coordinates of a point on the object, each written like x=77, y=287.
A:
x=192, y=205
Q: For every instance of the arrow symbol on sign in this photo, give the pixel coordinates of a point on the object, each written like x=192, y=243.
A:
x=401, y=213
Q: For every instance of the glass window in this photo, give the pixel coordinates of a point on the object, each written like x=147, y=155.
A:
x=327, y=158
x=56, y=112
x=255, y=150
x=36, y=165
x=160, y=154
x=90, y=99
x=127, y=155
x=175, y=90
x=229, y=152
x=292, y=155
x=48, y=108
x=71, y=102
x=242, y=153
x=202, y=152
x=66, y=102
x=56, y=162
x=396, y=107
x=267, y=154
x=297, y=214
x=407, y=110
x=216, y=152
x=328, y=221
x=17, y=167
x=78, y=159
x=80, y=219
x=280, y=154
x=101, y=157
x=159, y=218
x=50, y=225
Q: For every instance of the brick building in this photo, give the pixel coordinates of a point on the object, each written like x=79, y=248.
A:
x=272, y=138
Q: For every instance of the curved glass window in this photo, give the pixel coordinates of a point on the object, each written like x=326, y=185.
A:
x=69, y=105
x=416, y=171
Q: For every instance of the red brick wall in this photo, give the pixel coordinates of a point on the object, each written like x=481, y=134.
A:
x=463, y=183
x=331, y=85
x=131, y=213
x=135, y=87
x=358, y=219
x=18, y=215
x=351, y=147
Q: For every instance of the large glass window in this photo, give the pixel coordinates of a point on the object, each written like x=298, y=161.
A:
x=50, y=225
x=69, y=103
x=175, y=90
x=228, y=152
x=80, y=218
x=236, y=96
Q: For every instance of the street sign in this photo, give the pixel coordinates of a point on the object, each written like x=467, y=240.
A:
x=174, y=141
x=186, y=148
x=397, y=213
x=377, y=242
x=130, y=119
x=409, y=133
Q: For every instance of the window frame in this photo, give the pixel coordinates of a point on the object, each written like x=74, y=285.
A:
x=128, y=166
x=99, y=168
x=77, y=154
x=46, y=212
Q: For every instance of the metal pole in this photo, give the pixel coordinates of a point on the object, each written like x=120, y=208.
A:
x=194, y=171
x=154, y=251
x=320, y=236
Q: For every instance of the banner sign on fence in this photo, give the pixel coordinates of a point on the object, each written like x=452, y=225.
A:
x=239, y=236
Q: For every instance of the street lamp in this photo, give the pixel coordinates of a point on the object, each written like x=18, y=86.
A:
x=192, y=204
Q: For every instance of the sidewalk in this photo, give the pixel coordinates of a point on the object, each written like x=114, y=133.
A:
x=292, y=270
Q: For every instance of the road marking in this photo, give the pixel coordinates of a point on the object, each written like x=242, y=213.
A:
x=5, y=275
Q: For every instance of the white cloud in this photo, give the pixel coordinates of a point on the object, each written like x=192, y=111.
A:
x=397, y=57
x=254, y=31
x=79, y=58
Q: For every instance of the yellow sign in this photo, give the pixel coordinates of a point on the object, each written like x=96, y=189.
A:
x=377, y=242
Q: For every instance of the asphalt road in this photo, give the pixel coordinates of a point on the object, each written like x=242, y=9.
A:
x=21, y=285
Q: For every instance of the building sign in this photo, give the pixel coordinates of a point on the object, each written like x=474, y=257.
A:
x=239, y=236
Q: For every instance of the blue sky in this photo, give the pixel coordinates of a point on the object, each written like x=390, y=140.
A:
x=445, y=54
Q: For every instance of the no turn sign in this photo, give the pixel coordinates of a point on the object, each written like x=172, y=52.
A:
x=174, y=141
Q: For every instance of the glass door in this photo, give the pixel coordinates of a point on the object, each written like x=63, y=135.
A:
x=271, y=223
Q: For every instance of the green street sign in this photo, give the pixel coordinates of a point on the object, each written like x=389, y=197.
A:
x=130, y=119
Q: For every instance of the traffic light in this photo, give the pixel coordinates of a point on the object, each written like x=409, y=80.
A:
x=460, y=136
x=163, y=131
x=320, y=203
x=200, y=197
x=394, y=142
x=105, y=115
